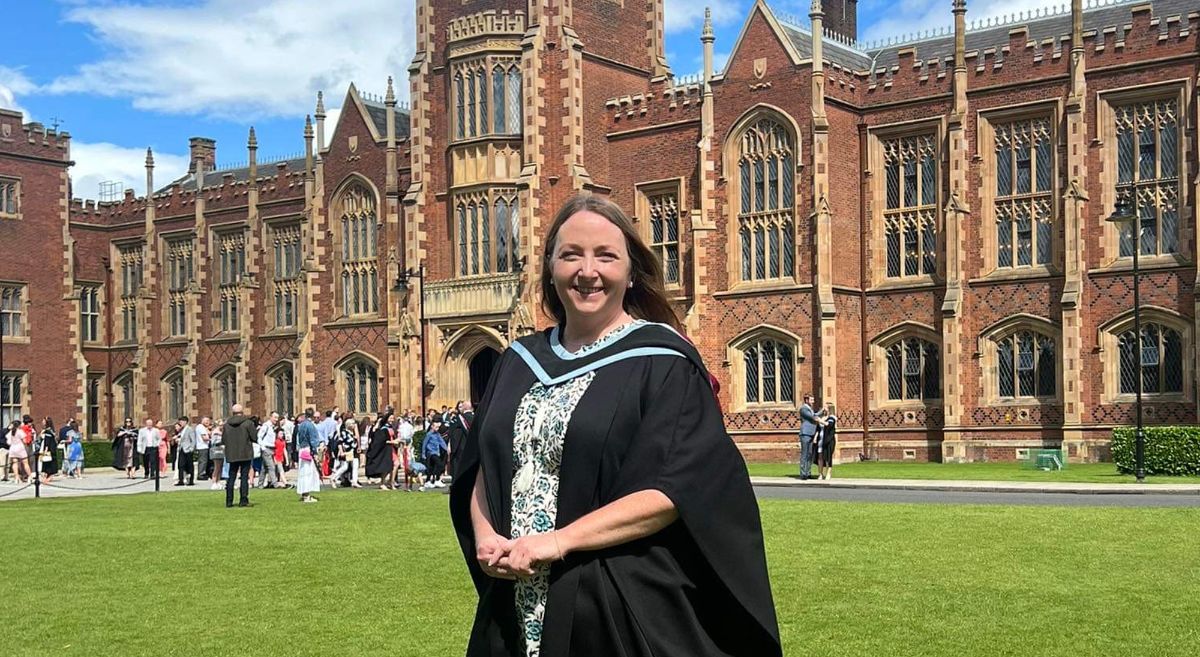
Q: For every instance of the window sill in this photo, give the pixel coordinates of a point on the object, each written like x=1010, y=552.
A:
x=752, y=289
x=345, y=322
x=289, y=332
x=917, y=405
x=125, y=344
x=172, y=342
x=767, y=408
x=914, y=283
x=1150, y=397
x=224, y=336
x=11, y=217
x=1169, y=261
x=1004, y=402
x=1016, y=274
x=16, y=339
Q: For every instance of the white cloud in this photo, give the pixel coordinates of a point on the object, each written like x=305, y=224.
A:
x=681, y=15
x=12, y=84
x=242, y=60
x=905, y=17
x=103, y=162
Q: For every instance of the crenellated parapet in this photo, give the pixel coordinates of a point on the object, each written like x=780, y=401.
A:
x=672, y=99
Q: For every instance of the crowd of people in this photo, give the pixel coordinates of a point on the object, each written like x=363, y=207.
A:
x=394, y=451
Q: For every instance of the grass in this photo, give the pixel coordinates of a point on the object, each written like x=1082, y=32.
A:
x=380, y=574
x=1096, y=473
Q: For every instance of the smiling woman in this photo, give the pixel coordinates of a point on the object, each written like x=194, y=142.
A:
x=598, y=490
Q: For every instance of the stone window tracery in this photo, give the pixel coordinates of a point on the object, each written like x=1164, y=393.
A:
x=131, y=282
x=285, y=277
x=359, y=260
x=12, y=311
x=180, y=275
x=487, y=227
x=89, y=313
x=10, y=196
x=913, y=370
x=1148, y=173
x=910, y=206
x=231, y=254
x=360, y=386
x=487, y=97
x=1024, y=206
x=1026, y=365
x=765, y=200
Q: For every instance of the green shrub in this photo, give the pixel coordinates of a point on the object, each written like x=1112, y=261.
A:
x=97, y=454
x=1169, y=450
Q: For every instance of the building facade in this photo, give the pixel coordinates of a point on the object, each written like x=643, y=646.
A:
x=914, y=231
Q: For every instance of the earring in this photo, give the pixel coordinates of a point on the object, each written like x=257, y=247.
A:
x=631, y=285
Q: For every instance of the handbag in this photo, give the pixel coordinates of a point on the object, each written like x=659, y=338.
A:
x=306, y=454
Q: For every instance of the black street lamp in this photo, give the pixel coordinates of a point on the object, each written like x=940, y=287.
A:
x=1125, y=214
x=403, y=285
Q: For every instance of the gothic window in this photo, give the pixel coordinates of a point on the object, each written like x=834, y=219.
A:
x=285, y=278
x=910, y=206
x=768, y=372
x=12, y=400
x=172, y=394
x=913, y=370
x=12, y=311
x=131, y=281
x=359, y=267
x=1148, y=173
x=487, y=222
x=487, y=97
x=658, y=205
x=92, y=424
x=123, y=391
x=1024, y=205
x=765, y=199
x=10, y=195
x=360, y=387
x=460, y=107
x=231, y=253
x=1161, y=359
x=89, y=313
x=225, y=391
x=180, y=274
x=1026, y=365
x=283, y=389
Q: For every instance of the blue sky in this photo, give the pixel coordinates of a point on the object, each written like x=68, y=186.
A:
x=122, y=75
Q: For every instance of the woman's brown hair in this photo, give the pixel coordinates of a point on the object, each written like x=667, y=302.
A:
x=646, y=299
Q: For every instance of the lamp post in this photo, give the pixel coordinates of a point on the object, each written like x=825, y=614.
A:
x=1125, y=214
x=403, y=285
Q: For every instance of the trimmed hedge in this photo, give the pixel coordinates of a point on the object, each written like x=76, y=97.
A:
x=1169, y=450
x=97, y=454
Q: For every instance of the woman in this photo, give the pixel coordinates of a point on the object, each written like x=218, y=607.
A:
x=828, y=442
x=598, y=492
x=48, y=451
x=379, y=452
x=216, y=454
x=281, y=458
x=308, y=454
x=164, y=446
x=344, y=446
x=123, y=447
x=18, y=453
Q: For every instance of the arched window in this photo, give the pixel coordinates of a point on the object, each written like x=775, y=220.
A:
x=471, y=112
x=1161, y=359
x=498, y=103
x=283, y=388
x=172, y=394
x=765, y=200
x=513, y=97
x=124, y=396
x=1026, y=365
x=460, y=107
x=359, y=275
x=488, y=231
x=225, y=391
x=765, y=368
x=360, y=386
x=913, y=370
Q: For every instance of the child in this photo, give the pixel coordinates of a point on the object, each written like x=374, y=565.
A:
x=74, y=456
x=412, y=469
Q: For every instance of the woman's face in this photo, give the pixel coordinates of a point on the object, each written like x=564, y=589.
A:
x=590, y=266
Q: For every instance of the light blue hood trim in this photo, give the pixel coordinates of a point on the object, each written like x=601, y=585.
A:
x=546, y=380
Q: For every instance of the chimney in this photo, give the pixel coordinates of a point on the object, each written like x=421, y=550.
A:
x=841, y=17
x=202, y=148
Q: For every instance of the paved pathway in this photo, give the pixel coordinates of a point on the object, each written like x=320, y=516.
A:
x=106, y=482
x=920, y=491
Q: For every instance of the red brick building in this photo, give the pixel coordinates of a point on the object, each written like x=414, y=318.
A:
x=914, y=231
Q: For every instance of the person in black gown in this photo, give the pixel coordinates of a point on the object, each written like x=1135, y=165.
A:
x=48, y=452
x=379, y=451
x=601, y=507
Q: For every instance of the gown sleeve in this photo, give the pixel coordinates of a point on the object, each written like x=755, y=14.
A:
x=681, y=449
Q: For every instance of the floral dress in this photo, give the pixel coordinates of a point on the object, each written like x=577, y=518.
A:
x=538, y=432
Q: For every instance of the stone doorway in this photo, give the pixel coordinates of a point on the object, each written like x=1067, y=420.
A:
x=480, y=369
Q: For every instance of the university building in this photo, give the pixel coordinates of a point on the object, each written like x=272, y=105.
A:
x=913, y=230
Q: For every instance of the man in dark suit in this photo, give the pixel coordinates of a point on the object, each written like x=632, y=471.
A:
x=238, y=438
x=808, y=430
x=459, y=427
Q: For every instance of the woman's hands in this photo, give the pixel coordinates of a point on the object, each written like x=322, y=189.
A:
x=511, y=559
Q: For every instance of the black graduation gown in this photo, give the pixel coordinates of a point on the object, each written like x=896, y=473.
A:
x=49, y=444
x=379, y=453
x=698, y=588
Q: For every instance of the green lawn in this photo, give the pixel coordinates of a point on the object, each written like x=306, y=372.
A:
x=1098, y=473
x=372, y=573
